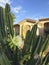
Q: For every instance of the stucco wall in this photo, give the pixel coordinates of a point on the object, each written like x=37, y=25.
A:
x=40, y=29
x=25, y=27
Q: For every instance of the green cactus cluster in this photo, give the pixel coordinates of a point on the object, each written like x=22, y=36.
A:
x=34, y=48
x=2, y=24
x=5, y=22
x=8, y=19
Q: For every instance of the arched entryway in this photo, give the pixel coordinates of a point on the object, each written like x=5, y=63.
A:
x=46, y=28
x=17, y=29
x=25, y=29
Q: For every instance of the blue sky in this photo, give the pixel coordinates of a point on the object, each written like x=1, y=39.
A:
x=33, y=9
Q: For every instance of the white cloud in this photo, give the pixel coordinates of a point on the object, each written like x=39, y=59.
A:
x=17, y=9
x=3, y=2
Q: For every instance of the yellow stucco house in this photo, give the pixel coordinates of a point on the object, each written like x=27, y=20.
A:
x=23, y=26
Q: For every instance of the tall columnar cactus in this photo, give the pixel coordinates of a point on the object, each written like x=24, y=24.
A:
x=3, y=58
x=3, y=40
x=2, y=23
x=30, y=38
x=8, y=19
x=34, y=48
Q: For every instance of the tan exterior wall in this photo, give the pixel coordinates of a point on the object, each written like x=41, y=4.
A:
x=40, y=29
x=24, y=27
